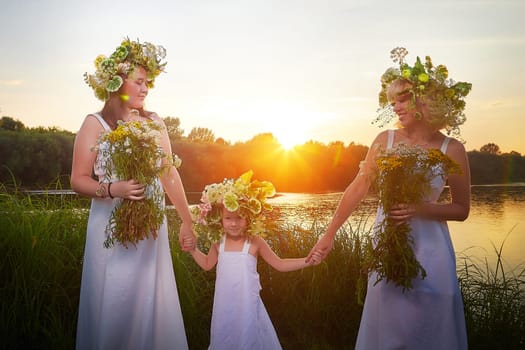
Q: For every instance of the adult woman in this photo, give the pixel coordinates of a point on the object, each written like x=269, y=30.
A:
x=430, y=314
x=128, y=297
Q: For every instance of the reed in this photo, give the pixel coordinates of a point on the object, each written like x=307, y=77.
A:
x=42, y=242
x=494, y=300
x=41, y=245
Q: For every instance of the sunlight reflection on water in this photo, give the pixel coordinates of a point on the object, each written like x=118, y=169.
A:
x=496, y=217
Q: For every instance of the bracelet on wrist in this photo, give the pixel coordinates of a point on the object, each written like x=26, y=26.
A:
x=101, y=191
x=109, y=190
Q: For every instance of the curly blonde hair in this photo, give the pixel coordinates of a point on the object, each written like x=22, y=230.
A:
x=427, y=84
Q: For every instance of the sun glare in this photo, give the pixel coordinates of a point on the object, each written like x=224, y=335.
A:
x=290, y=138
x=291, y=125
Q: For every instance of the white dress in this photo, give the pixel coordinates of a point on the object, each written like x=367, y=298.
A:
x=128, y=297
x=239, y=318
x=429, y=316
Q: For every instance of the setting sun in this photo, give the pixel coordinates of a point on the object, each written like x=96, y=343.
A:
x=290, y=138
x=291, y=124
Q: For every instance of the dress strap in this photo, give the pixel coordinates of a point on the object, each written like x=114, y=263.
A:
x=221, y=245
x=246, y=246
x=390, y=141
x=101, y=121
x=444, y=145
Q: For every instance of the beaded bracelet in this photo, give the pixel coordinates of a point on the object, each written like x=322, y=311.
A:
x=101, y=191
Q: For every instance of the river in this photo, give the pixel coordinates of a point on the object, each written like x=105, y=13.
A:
x=497, y=219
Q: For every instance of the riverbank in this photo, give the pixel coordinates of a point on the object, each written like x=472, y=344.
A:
x=42, y=242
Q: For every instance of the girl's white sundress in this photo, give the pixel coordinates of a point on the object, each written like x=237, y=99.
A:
x=128, y=297
x=430, y=316
x=239, y=318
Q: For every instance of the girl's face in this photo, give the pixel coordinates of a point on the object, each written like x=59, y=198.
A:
x=233, y=224
x=134, y=90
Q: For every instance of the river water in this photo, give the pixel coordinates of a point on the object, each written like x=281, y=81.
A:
x=496, y=220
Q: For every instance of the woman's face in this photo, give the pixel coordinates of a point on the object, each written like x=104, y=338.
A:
x=135, y=89
x=233, y=224
x=402, y=104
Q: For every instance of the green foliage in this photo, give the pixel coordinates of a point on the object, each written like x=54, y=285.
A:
x=491, y=148
x=8, y=123
x=36, y=157
x=174, y=129
x=490, y=168
x=494, y=302
x=42, y=242
x=123, y=62
x=444, y=96
x=403, y=176
x=314, y=308
x=132, y=151
x=201, y=135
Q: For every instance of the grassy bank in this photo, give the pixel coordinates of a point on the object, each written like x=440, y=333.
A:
x=42, y=241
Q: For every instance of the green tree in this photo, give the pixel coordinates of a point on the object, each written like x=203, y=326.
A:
x=174, y=130
x=201, y=135
x=35, y=157
x=8, y=123
x=490, y=148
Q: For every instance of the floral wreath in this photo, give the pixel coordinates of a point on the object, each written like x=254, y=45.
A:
x=123, y=61
x=242, y=194
x=446, y=101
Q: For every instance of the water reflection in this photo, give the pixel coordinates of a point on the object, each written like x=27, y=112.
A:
x=306, y=209
x=496, y=218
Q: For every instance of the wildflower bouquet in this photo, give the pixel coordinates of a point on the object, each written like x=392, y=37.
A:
x=403, y=176
x=132, y=151
x=242, y=194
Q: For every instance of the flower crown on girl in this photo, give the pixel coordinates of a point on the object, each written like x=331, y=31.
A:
x=241, y=194
x=110, y=71
x=445, y=97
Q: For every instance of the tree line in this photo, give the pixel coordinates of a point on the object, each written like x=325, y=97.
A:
x=33, y=158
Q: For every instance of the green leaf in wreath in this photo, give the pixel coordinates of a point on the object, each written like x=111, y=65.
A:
x=114, y=84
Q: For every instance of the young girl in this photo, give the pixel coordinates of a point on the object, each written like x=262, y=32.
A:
x=237, y=208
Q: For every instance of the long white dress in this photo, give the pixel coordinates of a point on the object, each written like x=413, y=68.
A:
x=239, y=319
x=429, y=316
x=128, y=297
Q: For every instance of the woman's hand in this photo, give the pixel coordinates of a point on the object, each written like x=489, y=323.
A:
x=129, y=189
x=315, y=259
x=321, y=249
x=402, y=212
x=187, y=239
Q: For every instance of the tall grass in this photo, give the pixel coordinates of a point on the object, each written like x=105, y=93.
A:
x=314, y=308
x=41, y=246
x=494, y=302
x=42, y=242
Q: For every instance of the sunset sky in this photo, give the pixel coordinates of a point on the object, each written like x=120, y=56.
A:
x=300, y=69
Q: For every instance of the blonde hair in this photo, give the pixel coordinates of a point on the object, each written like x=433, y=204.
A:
x=429, y=85
x=435, y=109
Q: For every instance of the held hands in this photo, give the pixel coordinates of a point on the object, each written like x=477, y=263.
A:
x=187, y=239
x=315, y=259
x=321, y=249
